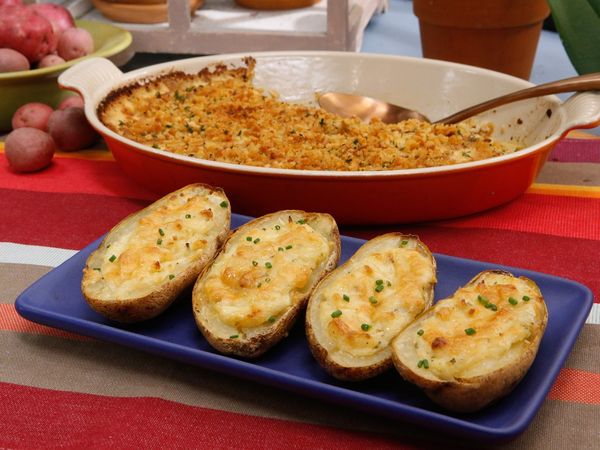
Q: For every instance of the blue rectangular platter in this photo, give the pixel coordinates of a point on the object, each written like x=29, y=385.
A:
x=56, y=300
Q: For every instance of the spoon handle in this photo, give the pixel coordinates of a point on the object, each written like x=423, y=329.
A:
x=589, y=82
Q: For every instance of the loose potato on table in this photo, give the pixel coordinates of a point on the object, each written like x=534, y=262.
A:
x=33, y=115
x=357, y=310
x=28, y=149
x=71, y=130
x=150, y=257
x=250, y=296
x=473, y=348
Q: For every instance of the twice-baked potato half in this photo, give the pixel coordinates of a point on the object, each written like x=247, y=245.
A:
x=151, y=256
x=473, y=348
x=249, y=297
x=356, y=311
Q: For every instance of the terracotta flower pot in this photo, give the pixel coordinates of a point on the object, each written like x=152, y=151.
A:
x=276, y=4
x=500, y=35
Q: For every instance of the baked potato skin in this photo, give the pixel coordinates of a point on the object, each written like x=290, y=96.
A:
x=258, y=343
x=144, y=307
x=322, y=354
x=471, y=394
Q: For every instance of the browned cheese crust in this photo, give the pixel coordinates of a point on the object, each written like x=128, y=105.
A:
x=470, y=350
x=253, y=291
x=147, y=260
x=356, y=310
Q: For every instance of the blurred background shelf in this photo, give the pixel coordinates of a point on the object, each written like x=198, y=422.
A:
x=221, y=26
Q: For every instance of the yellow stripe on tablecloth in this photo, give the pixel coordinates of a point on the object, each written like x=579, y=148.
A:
x=565, y=190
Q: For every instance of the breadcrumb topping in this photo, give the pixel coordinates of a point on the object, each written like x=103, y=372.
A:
x=219, y=115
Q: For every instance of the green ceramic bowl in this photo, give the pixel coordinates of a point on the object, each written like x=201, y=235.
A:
x=40, y=85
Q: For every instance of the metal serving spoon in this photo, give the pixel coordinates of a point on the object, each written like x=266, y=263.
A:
x=366, y=108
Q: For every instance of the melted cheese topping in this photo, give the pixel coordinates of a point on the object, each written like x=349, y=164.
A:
x=377, y=296
x=478, y=327
x=158, y=247
x=264, y=272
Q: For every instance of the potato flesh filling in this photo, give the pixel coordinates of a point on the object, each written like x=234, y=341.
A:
x=366, y=306
x=266, y=272
x=478, y=328
x=159, y=247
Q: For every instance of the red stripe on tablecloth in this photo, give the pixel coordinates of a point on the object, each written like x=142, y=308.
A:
x=48, y=218
x=10, y=320
x=576, y=150
x=576, y=386
x=74, y=175
x=38, y=418
x=58, y=220
x=548, y=214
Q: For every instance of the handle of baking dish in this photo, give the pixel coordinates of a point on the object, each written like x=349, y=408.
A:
x=582, y=111
x=88, y=76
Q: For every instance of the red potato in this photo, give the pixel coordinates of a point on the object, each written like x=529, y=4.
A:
x=75, y=43
x=60, y=18
x=50, y=60
x=73, y=101
x=32, y=115
x=27, y=32
x=10, y=2
x=29, y=149
x=70, y=129
x=12, y=61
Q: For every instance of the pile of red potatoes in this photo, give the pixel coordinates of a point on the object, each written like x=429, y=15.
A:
x=35, y=36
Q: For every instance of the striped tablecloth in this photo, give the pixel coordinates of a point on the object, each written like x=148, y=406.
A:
x=58, y=389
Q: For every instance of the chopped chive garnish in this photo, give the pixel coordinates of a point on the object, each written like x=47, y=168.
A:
x=420, y=332
x=223, y=204
x=373, y=300
x=256, y=241
x=423, y=363
x=277, y=227
x=287, y=247
x=491, y=306
x=484, y=301
x=379, y=288
x=249, y=238
x=404, y=243
x=97, y=268
x=470, y=331
x=112, y=258
x=161, y=232
x=346, y=298
x=171, y=276
x=301, y=221
x=378, y=282
x=188, y=216
x=234, y=336
x=268, y=265
x=336, y=313
x=271, y=319
x=512, y=300
x=158, y=241
x=280, y=249
x=365, y=327
x=255, y=263
x=526, y=298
